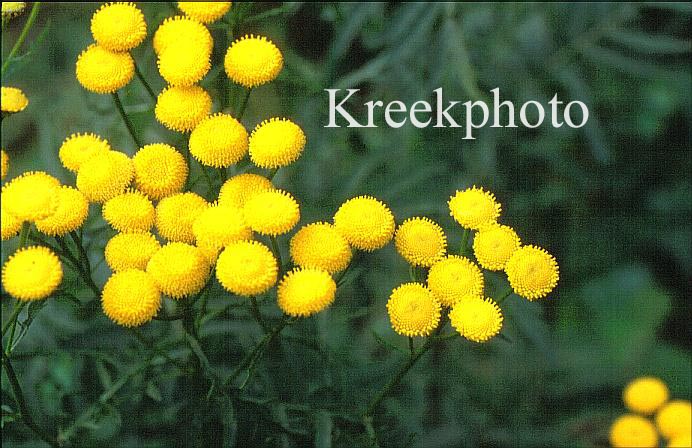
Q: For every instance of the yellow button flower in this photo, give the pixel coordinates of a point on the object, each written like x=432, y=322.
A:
x=31, y=196
x=11, y=9
x=365, y=222
x=12, y=99
x=4, y=164
x=413, y=311
x=476, y=319
x=319, y=245
x=205, y=12
x=681, y=441
x=304, y=292
x=252, y=61
x=532, y=272
x=633, y=431
x=179, y=270
x=218, y=226
x=31, y=273
x=247, y=268
x=102, y=71
x=182, y=108
x=493, y=245
x=118, y=26
x=646, y=394
x=241, y=187
x=474, y=207
x=130, y=251
x=675, y=419
x=10, y=224
x=104, y=176
x=80, y=147
x=130, y=298
x=420, y=241
x=160, y=170
x=454, y=277
x=70, y=215
x=275, y=143
x=219, y=141
x=272, y=212
x=175, y=215
x=131, y=211
x=184, y=64
x=175, y=30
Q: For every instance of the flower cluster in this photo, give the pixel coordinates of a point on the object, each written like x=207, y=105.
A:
x=647, y=397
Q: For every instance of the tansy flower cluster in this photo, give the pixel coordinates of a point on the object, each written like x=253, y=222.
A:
x=646, y=398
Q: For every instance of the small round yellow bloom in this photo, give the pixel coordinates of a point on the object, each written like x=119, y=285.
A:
x=175, y=215
x=11, y=9
x=12, y=99
x=252, y=61
x=241, y=187
x=105, y=176
x=454, y=277
x=31, y=273
x=644, y=395
x=182, y=108
x=131, y=211
x=474, y=207
x=219, y=141
x=493, y=245
x=275, y=143
x=303, y=292
x=71, y=213
x=633, y=431
x=681, y=441
x=413, y=311
x=80, y=147
x=205, y=12
x=272, y=212
x=179, y=270
x=4, y=164
x=103, y=71
x=532, y=272
x=118, y=26
x=10, y=225
x=247, y=268
x=420, y=241
x=184, y=64
x=476, y=319
x=31, y=196
x=130, y=251
x=675, y=419
x=319, y=245
x=175, y=30
x=160, y=170
x=218, y=226
x=130, y=298
x=365, y=222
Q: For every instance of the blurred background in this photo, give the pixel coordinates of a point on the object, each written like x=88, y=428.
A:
x=612, y=201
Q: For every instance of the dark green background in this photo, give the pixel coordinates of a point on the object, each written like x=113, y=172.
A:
x=612, y=202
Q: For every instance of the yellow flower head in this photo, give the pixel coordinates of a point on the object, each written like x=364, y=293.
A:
x=247, y=268
x=644, y=395
x=420, y=241
x=179, y=270
x=493, y=245
x=118, y=26
x=184, y=64
x=182, y=108
x=241, y=187
x=205, y=12
x=71, y=213
x=633, y=431
x=319, y=245
x=476, y=319
x=680, y=441
x=10, y=224
x=31, y=196
x=276, y=142
x=474, y=207
x=103, y=71
x=130, y=298
x=160, y=170
x=219, y=141
x=218, y=226
x=31, y=273
x=365, y=222
x=675, y=419
x=175, y=215
x=252, y=61
x=105, y=176
x=12, y=99
x=413, y=311
x=130, y=251
x=4, y=164
x=454, y=277
x=11, y=9
x=532, y=272
x=78, y=148
x=175, y=30
x=131, y=211
x=272, y=212
x=303, y=292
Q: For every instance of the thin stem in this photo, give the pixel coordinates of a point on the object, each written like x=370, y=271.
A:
x=146, y=84
x=272, y=173
x=243, y=104
x=411, y=347
x=150, y=345
x=339, y=279
x=86, y=271
x=224, y=175
x=277, y=252
x=504, y=295
x=128, y=124
x=254, y=309
x=22, y=36
x=24, y=234
x=18, y=307
x=463, y=250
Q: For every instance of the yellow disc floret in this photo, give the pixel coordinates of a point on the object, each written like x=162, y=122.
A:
x=681, y=441
x=182, y=108
x=247, y=268
x=105, y=176
x=80, y=147
x=31, y=273
x=532, y=272
x=160, y=170
x=184, y=63
x=474, y=207
x=9, y=223
x=413, y=311
x=218, y=226
x=675, y=419
x=645, y=395
x=633, y=431
x=71, y=213
x=275, y=143
x=365, y=222
x=420, y=241
x=130, y=251
x=131, y=211
x=493, y=245
x=118, y=26
x=272, y=212
x=179, y=270
x=175, y=30
x=252, y=61
x=31, y=196
x=4, y=164
x=303, y=292
x=319, y=245
x=11, y=9
x=103, y=71
x=454, y=277
x=219, y=141
x=241, y=187
x=12, y=99
x=476, y=319
x=130, y=298
x=205, y=12
x=175, y=215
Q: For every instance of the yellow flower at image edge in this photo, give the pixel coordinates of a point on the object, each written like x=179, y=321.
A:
x=182, y=108
x=532, y=272
x=9, y=224
x=31, y=196
x=474, y=208
x=71, y=213
x=453, y=278
x=420, y=241
x=205, y=12
x=176, y=214
x=238, y=189
x=272, y=212
x=413, y=311
x=304, y=292
x=252, y=61
x=130, y=251
x=130, y=298
x=4, y=164
x=319, y=245
x=644, y=395
x=118, y=26
x=105, y=176
x=632, y=431
x=102, y=71
x=476, y=319
x=12, y=99
x=78, y=148
x=493, y=245
x=160, y=170
x=247, y=268
x=31, y=273
x=681, y=441
x=179, y=270
x=175, y=30
x=11, y=9
x=219, y=141
x=131, y=211
x=675, y=419
x=275, y=143
x=365, y=222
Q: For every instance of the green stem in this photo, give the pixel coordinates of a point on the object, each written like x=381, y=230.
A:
x=339, y=279
x=86, y=271
x=128, y=124
x=411, y=347
x=243, y=104
x=504, y=295
x=150, y=345
x=18, y=307
x=254, y=309
x=277, y=252
x=24, y=234
x=22, y=36
x=463, y=250
x=224, y=175
x=146, y=84
x=272, y=173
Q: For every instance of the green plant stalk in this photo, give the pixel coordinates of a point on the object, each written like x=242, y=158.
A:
x=128, y=124
x=272, y=173
x=504, y=295
x=243, y=104
x=18, y=307
x=150, y=345
x=277, y=252
x=12, y=323
x=254, y=309
x=86, y=270
x=22, y=36
x=145, y=83
x=463, y=250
